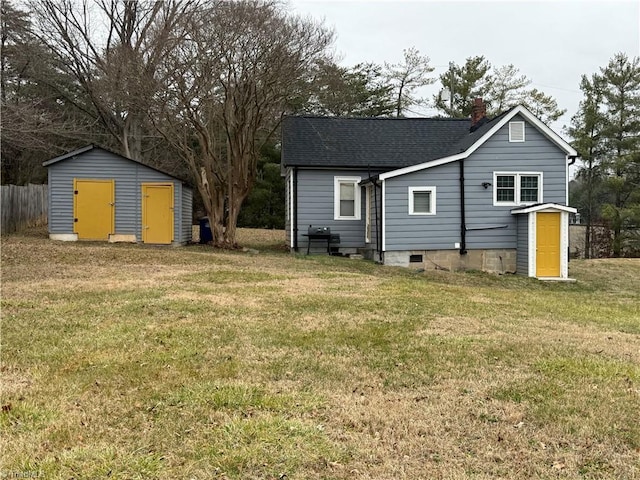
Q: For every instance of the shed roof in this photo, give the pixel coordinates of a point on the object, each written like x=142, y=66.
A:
x=88, y=148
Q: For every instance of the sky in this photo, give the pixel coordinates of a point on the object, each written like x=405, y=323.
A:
x=553, y=43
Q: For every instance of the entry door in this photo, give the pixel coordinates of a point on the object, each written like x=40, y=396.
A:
x=548, y=244
x=93, y=208
x=157, y=213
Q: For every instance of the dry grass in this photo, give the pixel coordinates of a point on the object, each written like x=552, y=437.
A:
x=135, y=362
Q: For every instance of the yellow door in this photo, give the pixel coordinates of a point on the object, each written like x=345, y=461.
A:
x=548, y=245
x=93, y=208
x=157, y=213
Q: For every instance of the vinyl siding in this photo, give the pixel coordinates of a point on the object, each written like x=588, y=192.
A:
x=408, y=232
x=316, y=207
x=186, y=231
x=522, y=255
x=129, y=177
x=423, y=232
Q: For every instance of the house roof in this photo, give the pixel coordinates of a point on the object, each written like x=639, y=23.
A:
x=88, y=148
x=379, y=143
x=394, y=145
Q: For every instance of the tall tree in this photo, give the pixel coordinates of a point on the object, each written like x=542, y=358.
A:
x=36, y=122
x=621, y=133
x=587, y=131
x=358, y=91
x=406, y=77
x=114, y=50
x=225, y=91
x=460, y=85
x=501, y=88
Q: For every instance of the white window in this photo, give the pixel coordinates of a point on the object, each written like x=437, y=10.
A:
x=346, y=193
x=422, y=200
x=516, y=131
x=517, y=188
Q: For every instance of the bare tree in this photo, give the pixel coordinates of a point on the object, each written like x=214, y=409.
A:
x=113, y=49
x=407, y=76
x=225, y=91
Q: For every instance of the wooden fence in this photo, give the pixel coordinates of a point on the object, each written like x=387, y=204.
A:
x=23, y=206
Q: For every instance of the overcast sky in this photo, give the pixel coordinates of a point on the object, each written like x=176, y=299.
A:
x=552, y=43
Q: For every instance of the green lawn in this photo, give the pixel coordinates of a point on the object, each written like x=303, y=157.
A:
x=131, y=362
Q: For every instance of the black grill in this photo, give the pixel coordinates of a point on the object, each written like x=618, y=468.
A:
x=319, y=230
x=323, y=234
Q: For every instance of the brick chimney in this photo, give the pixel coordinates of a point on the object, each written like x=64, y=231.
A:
x=478, y=112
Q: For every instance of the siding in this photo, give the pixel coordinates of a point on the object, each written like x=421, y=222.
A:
x=536, y=154
x=423, y=232
x=186, y=231
x=408, y=232
x=315, y=207
x=522, y=245
x=128, y=176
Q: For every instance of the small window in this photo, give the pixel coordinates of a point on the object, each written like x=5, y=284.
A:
x=516, y=131
x=517, y=188
x=422, y=200
x=347, y=198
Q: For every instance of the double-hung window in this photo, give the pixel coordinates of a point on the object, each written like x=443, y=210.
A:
x=511, y=188
x=346, y=198
x=422, y=200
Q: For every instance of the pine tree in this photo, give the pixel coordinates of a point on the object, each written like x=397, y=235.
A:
x=586, y=130
x=621, y=132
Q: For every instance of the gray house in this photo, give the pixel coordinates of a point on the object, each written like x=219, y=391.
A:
x=486, y=194
x=95, y=194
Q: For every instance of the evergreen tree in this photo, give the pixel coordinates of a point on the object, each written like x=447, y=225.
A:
x=586, y=130
x=501, y=88
x=621, y=135
x=460, y=85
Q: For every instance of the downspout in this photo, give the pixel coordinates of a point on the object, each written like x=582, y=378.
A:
x=295, y=209
x=463, y=221
x=378, y=231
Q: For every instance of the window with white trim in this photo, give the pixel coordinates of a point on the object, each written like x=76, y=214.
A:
x=346, y=198
x=422, y=200
x=516, y=132
x=511, y=188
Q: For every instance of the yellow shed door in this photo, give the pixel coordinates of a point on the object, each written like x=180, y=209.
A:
x=93, y=208
x=157, y=213
x=548, y=245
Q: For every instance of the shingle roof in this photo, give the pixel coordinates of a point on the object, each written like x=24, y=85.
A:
x=381, y=143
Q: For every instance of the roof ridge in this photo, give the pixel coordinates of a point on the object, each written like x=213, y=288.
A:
x=324, y=117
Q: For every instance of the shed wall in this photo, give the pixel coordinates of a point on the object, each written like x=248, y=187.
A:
x=128, y=176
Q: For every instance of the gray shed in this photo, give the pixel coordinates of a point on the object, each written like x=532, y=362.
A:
x=95, y=194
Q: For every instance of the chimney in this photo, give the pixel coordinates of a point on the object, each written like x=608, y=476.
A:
x=478, y=112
